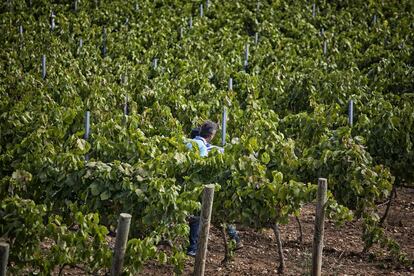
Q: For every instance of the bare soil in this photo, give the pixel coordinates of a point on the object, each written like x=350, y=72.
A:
x=341, y=256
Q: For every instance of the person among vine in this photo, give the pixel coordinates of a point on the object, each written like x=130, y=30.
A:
x=203, y=136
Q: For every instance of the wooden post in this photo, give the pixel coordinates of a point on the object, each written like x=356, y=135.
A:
x=351, y=112
x=223, y=127
x=319, y=228
x=4, y=256
x=207, y=204
x=120, y=244
x=43, y=66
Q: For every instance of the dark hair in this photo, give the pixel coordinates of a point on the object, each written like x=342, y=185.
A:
x=195, y=132
x=208, y=128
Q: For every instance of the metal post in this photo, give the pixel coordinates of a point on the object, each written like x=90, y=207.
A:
x=351, y=112
x=207, y=4
x=80, y=43
x=223, y=127
x=52, y=21
x=21, y=30
x=126, y=106
x=246, y=56
x=87, y=125
x=256, y=38
x=230, y=83
x=325, y=47
x=313, y=10
x=155, y=63
x=201, y=10
x=43, y=66
x=190, y=22
x=87, y=129
x=75, y=5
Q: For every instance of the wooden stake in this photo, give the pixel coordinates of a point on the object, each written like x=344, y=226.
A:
x=319, y=228
x=122, y=232
x=4, y=257
x=207, y=204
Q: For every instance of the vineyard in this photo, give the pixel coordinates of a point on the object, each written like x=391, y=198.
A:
x=97, y=100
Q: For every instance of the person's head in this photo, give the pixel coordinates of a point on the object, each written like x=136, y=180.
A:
x=208, y=130
x=195, y=132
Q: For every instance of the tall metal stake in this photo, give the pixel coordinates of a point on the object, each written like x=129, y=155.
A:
x=351, y=112
x=223, y=127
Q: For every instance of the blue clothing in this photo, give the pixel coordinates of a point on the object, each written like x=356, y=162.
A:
x=202, y=145
x=204, y=149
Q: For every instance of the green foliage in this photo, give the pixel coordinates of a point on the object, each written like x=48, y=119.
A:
x=287, y=120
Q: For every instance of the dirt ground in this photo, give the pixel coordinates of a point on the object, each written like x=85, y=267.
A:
x=341, y=255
